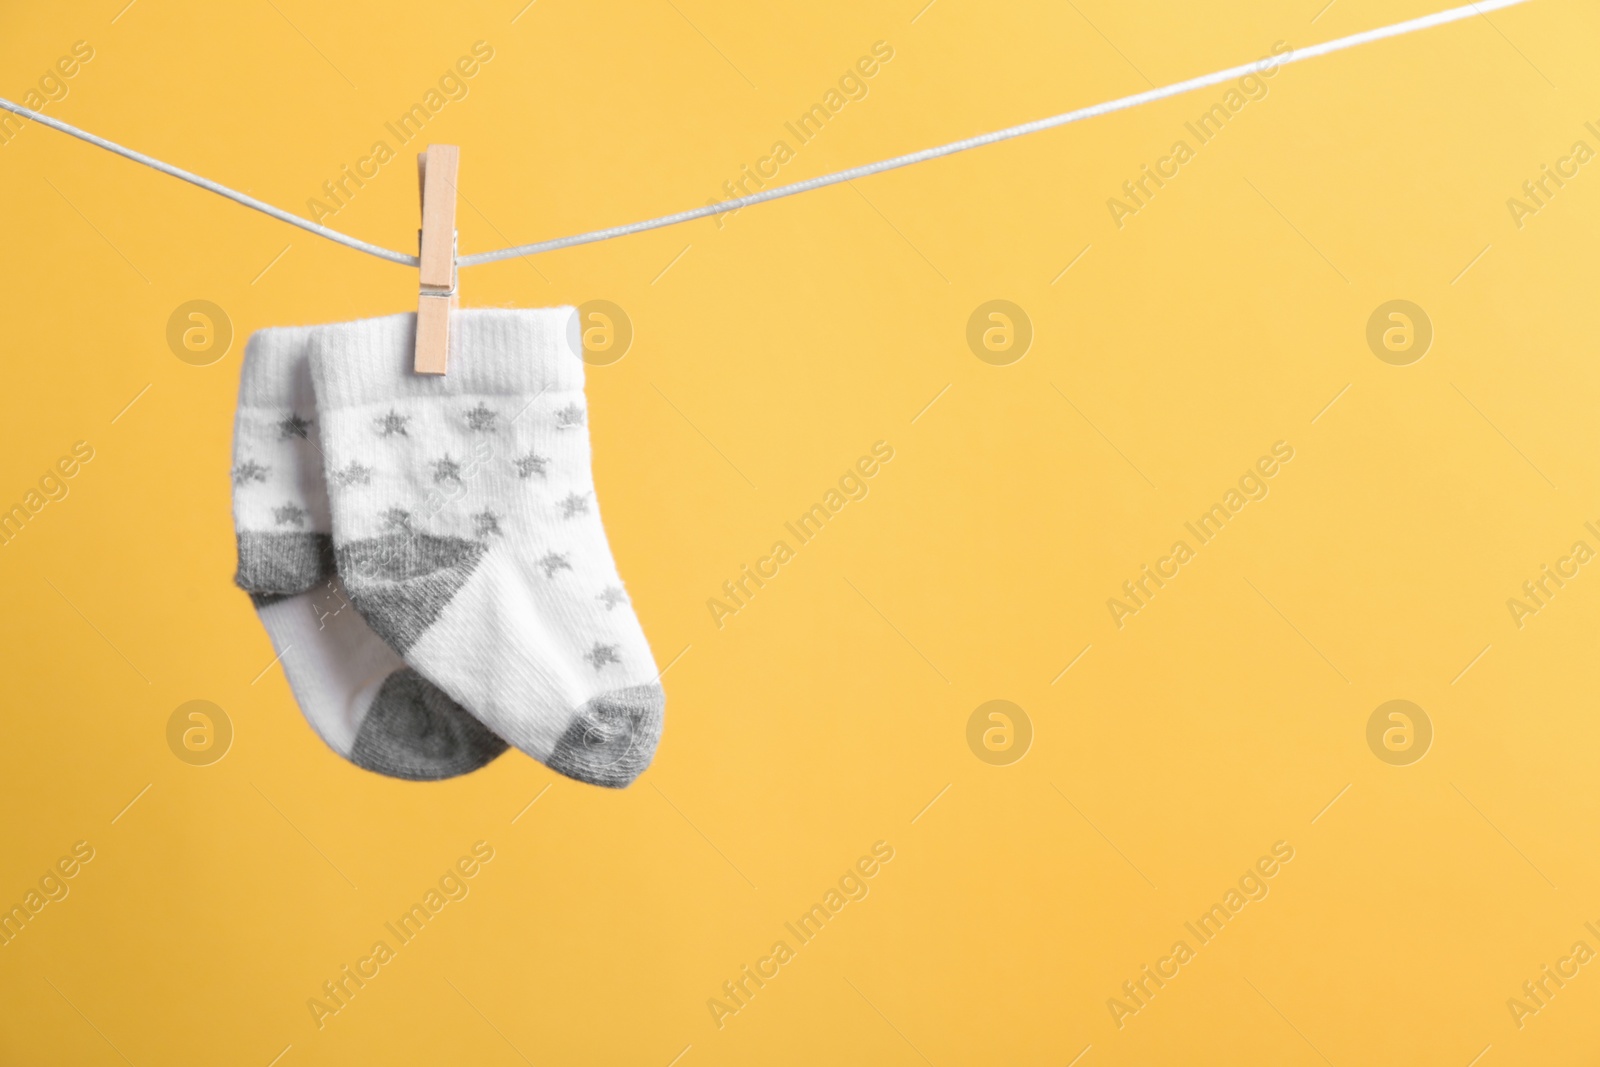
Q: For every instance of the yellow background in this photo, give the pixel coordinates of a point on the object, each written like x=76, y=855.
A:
x=825, y=716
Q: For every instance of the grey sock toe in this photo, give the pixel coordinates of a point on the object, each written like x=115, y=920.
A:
x=413, y=730
x=613, y=738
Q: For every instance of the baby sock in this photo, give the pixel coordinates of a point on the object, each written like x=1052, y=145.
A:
x=354, y=690
x=467, y=531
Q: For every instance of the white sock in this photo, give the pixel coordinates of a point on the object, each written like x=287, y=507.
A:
x=467, y=530
x=354, y=690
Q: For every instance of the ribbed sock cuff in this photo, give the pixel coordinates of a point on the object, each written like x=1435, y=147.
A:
x=493, y=352
x=276, y=374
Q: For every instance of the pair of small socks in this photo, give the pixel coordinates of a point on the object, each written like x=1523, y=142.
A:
x=427, y=554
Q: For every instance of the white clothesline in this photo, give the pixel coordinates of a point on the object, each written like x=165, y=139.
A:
x=1399, y=29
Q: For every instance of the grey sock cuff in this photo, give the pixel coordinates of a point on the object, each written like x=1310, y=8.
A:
x=493, y=351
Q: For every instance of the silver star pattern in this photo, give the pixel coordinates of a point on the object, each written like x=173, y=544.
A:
x=249, y=471
x=531, y=464
x=600, y=655
x=611, y=596
x=327, y=602
x=574, y=504
x=486, y=523
x=293, y=426
x=446, y=469
x=391, y=424
x=354, y=474
x=569, y=417
x=552, y=562
x=481, y=420
x=289, y=515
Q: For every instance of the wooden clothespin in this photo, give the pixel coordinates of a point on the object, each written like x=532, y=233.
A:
x=436, y=172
